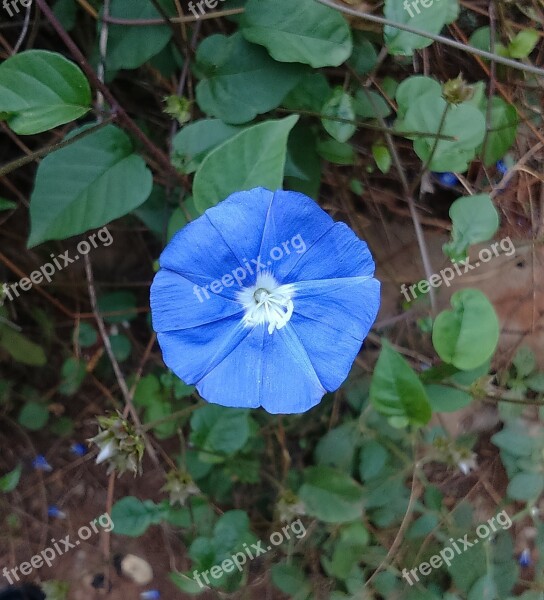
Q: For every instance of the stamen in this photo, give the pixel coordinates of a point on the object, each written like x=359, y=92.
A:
x=267, y=302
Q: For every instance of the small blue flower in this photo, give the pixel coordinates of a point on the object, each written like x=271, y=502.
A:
x=525, y=558
x=40, y=463
x=264, y=301
x=447, y=179
x=150, y=595
x=55, y=513
x=501, y=166
x=78, y=449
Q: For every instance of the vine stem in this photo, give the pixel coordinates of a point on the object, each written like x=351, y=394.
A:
x=121, y=114
x=436, y=37
x=20, y=162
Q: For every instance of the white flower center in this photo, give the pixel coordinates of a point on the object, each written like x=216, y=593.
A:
x=267, y=302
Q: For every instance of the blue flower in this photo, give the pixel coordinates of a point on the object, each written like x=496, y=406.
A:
x=264, y=301
x=525, y=558
x=501, y=166
x=447, y=179
x=40, y=463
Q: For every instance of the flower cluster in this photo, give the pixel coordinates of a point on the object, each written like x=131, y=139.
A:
x=120, y=445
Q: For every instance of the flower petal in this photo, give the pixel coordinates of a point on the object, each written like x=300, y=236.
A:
x=273, y=371
x=296, y=221
x=337, y=253
x=240, y=221
x=177, y=303
x=192, y=353
x=332, y=318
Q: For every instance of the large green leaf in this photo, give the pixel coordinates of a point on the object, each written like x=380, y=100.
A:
x=130, y=47
x=40, y=90
x=239, y=80
x=464, y=123
x=254, y=157
x=467, y=335
x=430, y=19
x=475, y=219
x=396, y=390
x=91, y=182
x=192, y=144
x=301, y=31
x=331, y=495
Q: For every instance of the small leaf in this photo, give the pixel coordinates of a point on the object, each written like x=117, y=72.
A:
x=475, y=219
x=382, y=156
x=444, y=398
x=503, y=127
x=340, y=106
x=9, y=481
x=524, y=43
x=526, y=486
x=220, y=430
x=64, y=93
x=132, y=517
x=21, y=348
x=466, y=336
x=291, y=581
x=33, y=416
x=7, y=204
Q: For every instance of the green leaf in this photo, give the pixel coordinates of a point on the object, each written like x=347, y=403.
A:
x=339, y=105
x=33, y=416
x=9, y=481
x=20, y=348
x=524, y=43
x=239, y=80
x=514, y=439
x=7, y=204
x=102, y=179
x=364, y=56
x=40, y=90
x=396, y=390
x=132, y=517
x=186, y=583
x=413, y=88
x=130, y=47
x=430, y=19
x=467, y=335
x=484, y=589
x=301, y=32
x=503, y=125
x=290, y=580
x=121, y=346
x=73, y=373
x=303, y=164
x=524, y=361
x=464, y=123
x=475, y=219
x=181, y=216
x=331, y=495
x=219, y=430
x=536, y=382
x=382, y=156
x=196, y=140
x=87, y=335
x=336, y=152
x=255, y=157
x=309, y=94
x=373, y=459
x=370, y=105
x=121, y=302
x=526, y=486
x=337, y=447
x=444, y=398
